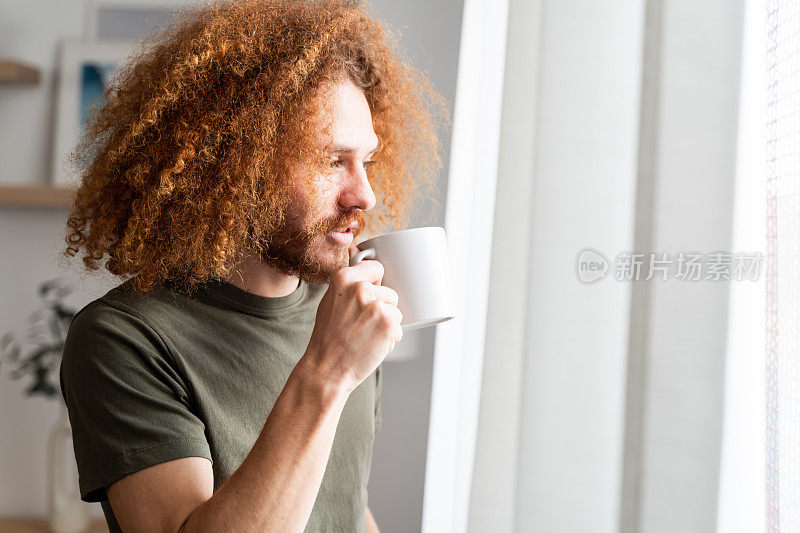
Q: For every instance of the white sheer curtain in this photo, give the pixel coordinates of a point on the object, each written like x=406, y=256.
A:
x=783, y=266
x=458, y=348
x=741, y=492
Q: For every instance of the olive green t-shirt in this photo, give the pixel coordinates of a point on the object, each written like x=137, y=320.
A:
x=156, y=377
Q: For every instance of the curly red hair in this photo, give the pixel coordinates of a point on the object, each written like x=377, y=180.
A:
x=189, y=159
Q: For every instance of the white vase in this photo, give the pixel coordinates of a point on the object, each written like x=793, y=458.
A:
x=68, y=513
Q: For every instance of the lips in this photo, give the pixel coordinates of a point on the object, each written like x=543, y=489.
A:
x=344, y=229
x=341, y=237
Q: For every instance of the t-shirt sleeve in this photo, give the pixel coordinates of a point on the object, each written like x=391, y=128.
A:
x=128, y=405
x=378, y=392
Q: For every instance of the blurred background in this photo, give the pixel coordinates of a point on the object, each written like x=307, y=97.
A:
x=611, y=194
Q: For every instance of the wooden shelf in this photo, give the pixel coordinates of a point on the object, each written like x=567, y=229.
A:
x=36, y=196
x=12, y=71
x=37, y=525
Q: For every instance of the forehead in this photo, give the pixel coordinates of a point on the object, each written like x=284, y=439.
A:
x=348, y=115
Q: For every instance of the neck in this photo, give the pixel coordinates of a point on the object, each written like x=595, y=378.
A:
x=256, y=277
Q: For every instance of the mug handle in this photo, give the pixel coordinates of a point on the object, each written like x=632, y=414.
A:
x=369, y=253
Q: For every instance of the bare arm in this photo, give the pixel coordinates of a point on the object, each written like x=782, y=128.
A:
x=275, y=487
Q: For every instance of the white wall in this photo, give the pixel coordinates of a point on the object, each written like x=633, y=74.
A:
x=30, y=238
x=28, y=112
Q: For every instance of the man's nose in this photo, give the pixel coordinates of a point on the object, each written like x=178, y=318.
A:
x=357, y=191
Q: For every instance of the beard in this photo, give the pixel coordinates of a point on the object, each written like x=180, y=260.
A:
x=291, y=250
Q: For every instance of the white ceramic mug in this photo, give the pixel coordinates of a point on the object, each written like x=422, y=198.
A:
x=414, y=265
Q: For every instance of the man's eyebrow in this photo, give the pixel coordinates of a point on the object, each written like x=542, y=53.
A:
x=348, y=149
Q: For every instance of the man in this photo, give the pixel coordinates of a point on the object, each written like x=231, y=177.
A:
x=232, y=381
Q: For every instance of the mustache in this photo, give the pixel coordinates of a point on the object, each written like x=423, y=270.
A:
x=344, y=220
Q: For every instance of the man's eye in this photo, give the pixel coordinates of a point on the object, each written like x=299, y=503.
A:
x=338, y=162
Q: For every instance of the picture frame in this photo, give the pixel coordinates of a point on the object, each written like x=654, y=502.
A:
x=84, y=69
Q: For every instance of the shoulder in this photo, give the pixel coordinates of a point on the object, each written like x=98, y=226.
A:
x=111, y=331
x=149, y=307
x=118, y=310
x=125, y=310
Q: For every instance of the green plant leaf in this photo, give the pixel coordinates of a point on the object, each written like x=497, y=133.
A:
x=47, y=332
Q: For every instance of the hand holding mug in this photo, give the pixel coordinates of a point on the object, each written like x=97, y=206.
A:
x=357, y=324
x=415, y=265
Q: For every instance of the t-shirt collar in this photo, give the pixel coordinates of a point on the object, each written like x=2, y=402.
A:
x=248, y=302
